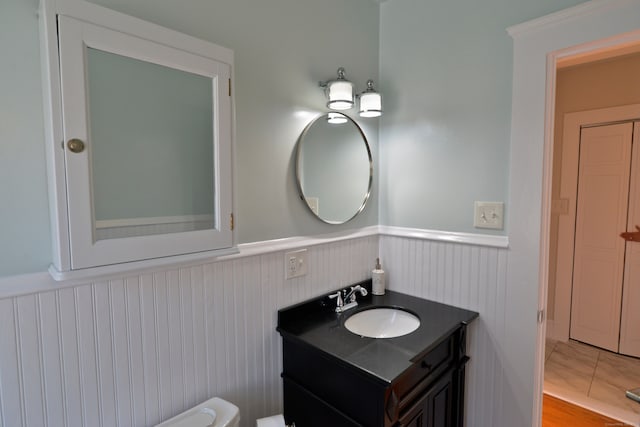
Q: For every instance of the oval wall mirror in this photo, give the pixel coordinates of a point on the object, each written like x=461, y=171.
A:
x=334, y=168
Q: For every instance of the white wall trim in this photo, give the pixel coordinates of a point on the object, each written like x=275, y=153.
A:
x=446, y=236
x=27, y=284
x=289, y=243
x=572, y=13
x=53, y=280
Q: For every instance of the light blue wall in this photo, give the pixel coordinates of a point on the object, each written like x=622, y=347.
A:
x=24, y=213
x=282, y=49
x=445, y=72
x=446, y=69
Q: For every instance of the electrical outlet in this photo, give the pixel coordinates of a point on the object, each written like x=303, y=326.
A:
x=295, y=263
x=488, y=215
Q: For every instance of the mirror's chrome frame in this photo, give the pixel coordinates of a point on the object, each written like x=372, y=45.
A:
x=297, y=168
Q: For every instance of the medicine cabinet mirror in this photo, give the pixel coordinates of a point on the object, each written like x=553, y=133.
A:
x=144, y=167
x=334, y=168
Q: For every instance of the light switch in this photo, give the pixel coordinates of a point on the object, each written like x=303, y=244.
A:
x=488, y=215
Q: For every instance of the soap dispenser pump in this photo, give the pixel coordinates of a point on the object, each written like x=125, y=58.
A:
x=377, y=278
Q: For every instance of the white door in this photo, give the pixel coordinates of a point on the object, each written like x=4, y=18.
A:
x=630, y=322
x=598, y=267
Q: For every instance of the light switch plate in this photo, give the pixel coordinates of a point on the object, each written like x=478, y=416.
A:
x=488, y=215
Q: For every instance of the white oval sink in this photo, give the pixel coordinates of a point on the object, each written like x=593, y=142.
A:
x=382, y=323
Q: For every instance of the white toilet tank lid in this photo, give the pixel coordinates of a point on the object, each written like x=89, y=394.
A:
x=214, y=412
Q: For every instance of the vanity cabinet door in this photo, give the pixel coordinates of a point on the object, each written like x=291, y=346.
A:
x=436, y=407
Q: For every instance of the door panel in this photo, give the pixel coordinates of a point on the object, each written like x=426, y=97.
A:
x=630, y=322
x=603, y=194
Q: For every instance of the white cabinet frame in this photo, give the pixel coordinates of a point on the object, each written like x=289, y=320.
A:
x=80, y=25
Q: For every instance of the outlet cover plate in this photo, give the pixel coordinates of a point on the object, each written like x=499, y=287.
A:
x=488, y=215
x=295, y=263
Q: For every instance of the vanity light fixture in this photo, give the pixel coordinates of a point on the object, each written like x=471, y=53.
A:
x=336, y=118
x=340, y=93
x=370, y=102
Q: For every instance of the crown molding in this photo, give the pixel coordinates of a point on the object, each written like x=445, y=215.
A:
x=557, y=18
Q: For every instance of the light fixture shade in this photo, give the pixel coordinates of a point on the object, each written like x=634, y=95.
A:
x=340, y=93
x=336, y=118
x=370, y=102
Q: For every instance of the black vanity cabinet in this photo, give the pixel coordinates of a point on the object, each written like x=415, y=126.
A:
x=332, y=377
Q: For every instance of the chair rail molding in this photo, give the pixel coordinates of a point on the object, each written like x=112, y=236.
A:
x=446, y=236
x=41, y=281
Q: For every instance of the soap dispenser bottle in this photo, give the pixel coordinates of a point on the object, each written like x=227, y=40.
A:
x=377, y=278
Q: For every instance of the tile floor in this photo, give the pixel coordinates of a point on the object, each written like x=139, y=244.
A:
x=592, y=378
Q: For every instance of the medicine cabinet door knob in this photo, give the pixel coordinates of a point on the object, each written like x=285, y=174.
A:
x=75, y=145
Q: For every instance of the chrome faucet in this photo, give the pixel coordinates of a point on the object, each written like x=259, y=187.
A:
x=347, y=301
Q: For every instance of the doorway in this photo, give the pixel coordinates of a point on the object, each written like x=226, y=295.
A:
x=589, y=178
x=589, y=94
x=540, y=45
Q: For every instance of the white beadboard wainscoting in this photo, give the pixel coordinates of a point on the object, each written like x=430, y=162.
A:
x=139, y=349
x=472, y=276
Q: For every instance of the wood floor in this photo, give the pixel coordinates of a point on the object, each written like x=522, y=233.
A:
x=558, y=413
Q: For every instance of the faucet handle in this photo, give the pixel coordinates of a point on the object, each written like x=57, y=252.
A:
x=339, y=302
x=363, y=291
x=358, y=288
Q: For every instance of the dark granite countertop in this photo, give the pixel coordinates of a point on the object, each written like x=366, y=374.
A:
x=316, y=323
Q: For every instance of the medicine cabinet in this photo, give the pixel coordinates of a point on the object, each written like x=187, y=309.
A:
x=139, y=139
